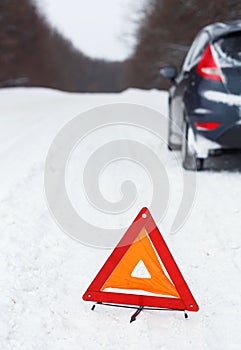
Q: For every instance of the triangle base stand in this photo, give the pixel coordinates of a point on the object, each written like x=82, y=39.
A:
x=138, y=309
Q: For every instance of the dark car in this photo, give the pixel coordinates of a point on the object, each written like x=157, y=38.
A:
x=205, y=97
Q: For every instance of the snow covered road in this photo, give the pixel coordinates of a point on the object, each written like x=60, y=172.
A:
x=43, y=273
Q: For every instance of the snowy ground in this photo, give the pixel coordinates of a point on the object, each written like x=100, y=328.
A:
x=44, y=273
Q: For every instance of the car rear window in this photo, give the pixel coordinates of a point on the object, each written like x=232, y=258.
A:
x=228, y=49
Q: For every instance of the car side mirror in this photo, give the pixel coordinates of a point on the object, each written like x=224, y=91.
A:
x=169, y=72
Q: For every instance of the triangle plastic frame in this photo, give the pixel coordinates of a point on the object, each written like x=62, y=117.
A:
x=143, y=220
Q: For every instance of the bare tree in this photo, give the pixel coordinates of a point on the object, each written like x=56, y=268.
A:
x=33, y=54
x=166, y=31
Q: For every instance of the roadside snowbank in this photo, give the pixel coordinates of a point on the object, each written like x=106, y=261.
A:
x=44, y=273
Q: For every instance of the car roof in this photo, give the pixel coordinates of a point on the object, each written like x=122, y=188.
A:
x=219, y=29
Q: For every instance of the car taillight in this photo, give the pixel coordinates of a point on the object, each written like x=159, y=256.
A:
x=207, y=66
x=207, y=126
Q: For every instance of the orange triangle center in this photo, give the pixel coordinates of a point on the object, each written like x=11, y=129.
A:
x=122, y=277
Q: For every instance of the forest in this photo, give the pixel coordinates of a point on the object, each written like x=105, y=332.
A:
x=32, y=53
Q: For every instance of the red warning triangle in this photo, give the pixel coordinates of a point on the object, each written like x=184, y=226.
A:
x=163, y=285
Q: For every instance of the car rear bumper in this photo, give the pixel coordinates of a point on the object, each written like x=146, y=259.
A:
x=204, y=145
x=231, y=138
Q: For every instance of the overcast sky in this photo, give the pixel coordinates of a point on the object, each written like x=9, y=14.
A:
x=100, y=28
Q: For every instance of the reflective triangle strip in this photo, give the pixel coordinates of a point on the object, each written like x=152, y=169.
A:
x=142, y=241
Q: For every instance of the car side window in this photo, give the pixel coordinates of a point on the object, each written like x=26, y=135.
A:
x=196, y=51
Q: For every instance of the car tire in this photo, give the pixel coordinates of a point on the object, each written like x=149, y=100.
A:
x=199, y=163
x=170, y=145
x=189, y=160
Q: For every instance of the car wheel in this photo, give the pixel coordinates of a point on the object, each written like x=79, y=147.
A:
x=170, y=145
x=189, y=159
x=199, y=163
